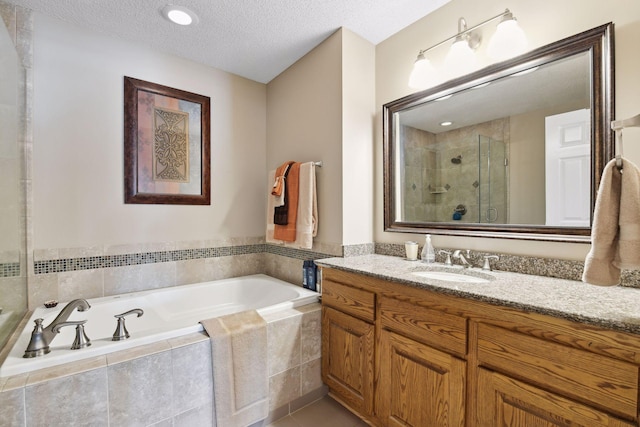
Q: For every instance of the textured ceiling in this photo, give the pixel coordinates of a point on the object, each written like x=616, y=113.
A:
x=256, y=39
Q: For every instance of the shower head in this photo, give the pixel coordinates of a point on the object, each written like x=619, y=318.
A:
x=457, y=160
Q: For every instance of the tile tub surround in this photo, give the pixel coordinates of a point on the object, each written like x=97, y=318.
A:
x=166, y=382
x=615, y=307
x=548, y=267
x=65, y=274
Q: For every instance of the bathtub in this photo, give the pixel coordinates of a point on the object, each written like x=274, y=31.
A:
x=168, y=313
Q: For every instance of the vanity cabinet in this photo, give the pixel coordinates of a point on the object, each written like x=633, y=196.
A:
x=397, y=355
x=505, y=401
x=348, y=345
x=422, y=372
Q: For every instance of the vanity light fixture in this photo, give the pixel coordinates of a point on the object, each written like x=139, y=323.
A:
x=179, y=15
x=509, y=40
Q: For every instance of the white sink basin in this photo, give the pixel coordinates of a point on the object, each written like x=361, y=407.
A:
x=450, y=277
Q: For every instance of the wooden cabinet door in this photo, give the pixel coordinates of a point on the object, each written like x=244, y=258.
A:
x=503, y=401
x=419, y=386
x=347, y=358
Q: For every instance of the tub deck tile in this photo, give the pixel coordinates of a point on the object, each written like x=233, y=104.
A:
x=65, y=370
x=137, y=352
x=189, y=339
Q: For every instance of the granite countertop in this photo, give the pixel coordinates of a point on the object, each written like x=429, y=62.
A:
x=613, y=307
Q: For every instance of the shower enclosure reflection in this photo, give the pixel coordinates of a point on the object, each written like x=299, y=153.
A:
x=460, y=175
x=492, y=175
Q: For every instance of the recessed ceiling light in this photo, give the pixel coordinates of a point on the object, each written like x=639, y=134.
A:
x=179, y=15
x=446, y=123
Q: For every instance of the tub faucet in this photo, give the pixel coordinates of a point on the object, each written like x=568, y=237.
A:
x=41, y=337
x=457, y=254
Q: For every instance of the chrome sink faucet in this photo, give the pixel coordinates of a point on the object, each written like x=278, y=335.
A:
x=457, y=254
x=41, y=337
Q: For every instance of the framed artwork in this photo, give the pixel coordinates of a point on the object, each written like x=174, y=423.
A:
x=166, y=145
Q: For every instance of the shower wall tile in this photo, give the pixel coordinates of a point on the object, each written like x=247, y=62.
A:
x=73, y=400
x=201, y=416
x=12, y=410
x=192, y=271
x=118, y=280
x=140, y=391
x=138, y=352
x=283, y=268
x=284, y=388
x=80, y=284
x=66, y=370
x=14, y=294
x=310, y=376
x=192, y=377
x=42, y=287
x=311, y=329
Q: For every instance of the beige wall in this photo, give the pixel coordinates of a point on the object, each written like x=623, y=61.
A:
x=527, y=163
x=78, y=144
x=321, y=109
x=304, y=123
x=358, y=112
x=543, y=25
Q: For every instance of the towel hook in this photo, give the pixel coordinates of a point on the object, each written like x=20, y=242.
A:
x=619, y=149
x=617, y=126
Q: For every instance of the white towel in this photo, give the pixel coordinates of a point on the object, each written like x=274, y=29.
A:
x=615, y=232
x=240, y=369
x=629, y=219
x=307, y=220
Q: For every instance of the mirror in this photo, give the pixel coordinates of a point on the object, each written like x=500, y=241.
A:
x=514, y=150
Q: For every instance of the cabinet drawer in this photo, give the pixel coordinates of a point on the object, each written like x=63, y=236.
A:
x=600, y=381
x=354, y=301
x=429, y=326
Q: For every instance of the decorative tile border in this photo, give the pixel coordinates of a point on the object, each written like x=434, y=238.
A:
x=10, y=269
x=562, y=269
x=108, y=261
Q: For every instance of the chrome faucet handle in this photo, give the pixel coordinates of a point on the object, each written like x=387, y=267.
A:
x=487, y=264
x=457, y=254
x=121, y=332
x=81, y=340
x=37, y=345
x=448, y=254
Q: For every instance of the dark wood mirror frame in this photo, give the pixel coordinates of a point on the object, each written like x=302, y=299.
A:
x=600, y=44
x=132, y=146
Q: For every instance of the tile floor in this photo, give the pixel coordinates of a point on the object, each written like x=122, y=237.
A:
x=321, y=413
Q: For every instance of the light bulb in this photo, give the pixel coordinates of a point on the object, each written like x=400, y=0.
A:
x=508, y=41
x=461, y=59
x=423, y=74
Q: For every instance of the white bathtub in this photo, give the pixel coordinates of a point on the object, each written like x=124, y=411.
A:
x=168, y=313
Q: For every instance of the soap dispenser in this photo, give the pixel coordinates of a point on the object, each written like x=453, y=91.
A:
x=428, y=253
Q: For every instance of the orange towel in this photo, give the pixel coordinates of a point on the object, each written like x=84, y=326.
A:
x=287, y=233
x=279, y=181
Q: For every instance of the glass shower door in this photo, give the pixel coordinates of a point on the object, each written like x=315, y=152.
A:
x=492, y=173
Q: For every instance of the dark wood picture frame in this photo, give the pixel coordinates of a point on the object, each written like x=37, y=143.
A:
x=149, y=146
